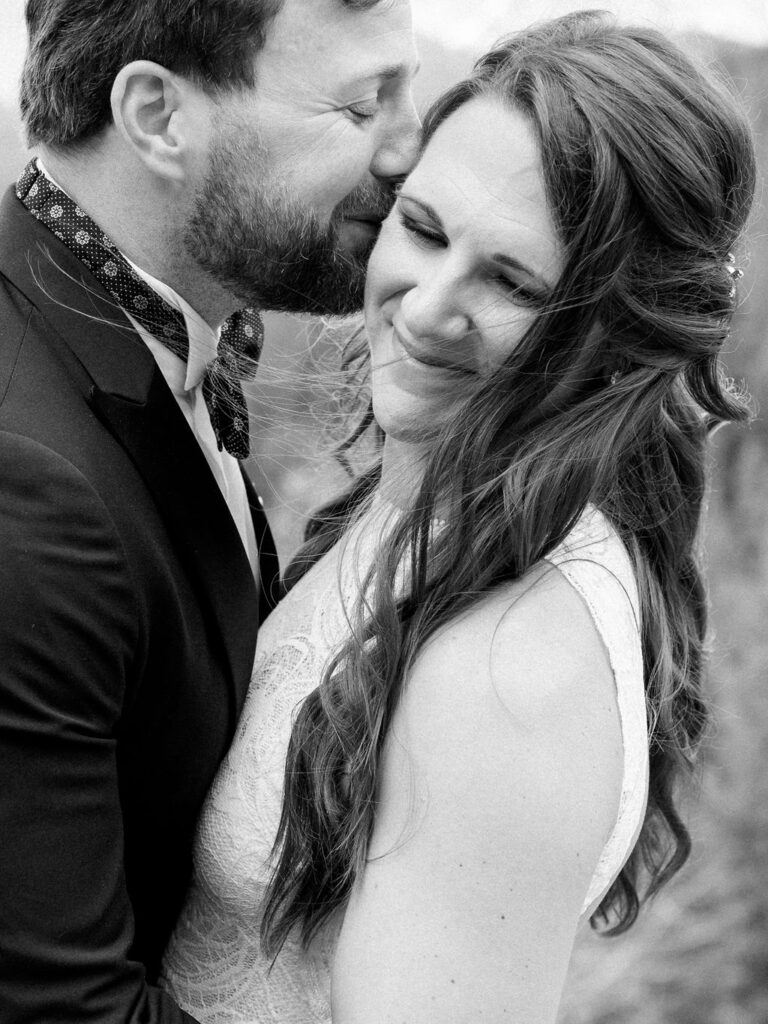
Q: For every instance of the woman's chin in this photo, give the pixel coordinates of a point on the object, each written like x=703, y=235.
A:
x=404, y=418
x=410, y=408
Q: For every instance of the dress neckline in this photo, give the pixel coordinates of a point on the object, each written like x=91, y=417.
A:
x=380, y=501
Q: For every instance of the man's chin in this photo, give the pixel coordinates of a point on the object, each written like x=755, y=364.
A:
x=293, y=270
x=327, y=292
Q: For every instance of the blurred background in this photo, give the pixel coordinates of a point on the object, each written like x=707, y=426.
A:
x=699, y=953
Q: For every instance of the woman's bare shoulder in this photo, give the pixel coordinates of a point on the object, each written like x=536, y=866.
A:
x=533, y=644
x=510, y=713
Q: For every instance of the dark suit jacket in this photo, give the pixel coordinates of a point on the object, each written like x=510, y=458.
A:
x=128, y=618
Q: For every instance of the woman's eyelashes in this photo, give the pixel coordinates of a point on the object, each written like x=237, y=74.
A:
x=427, y=236
x=422, y=234
x=522, y=295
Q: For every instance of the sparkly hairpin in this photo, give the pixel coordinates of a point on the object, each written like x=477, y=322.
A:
x=736, y=272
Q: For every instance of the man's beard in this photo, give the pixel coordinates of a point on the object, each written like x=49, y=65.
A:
x=266, y=247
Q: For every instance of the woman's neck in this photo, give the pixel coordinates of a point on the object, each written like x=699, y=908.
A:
x=402, y=470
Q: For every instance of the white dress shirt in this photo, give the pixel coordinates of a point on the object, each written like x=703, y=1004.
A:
x=186, y=383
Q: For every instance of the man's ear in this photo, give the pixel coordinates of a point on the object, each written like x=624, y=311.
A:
x=150, y=112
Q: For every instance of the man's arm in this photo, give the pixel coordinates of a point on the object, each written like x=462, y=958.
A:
x=68, y=633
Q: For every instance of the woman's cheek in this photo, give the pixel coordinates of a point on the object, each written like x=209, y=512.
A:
x=390, y=267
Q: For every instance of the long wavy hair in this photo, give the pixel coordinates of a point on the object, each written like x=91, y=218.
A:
x=608, y=399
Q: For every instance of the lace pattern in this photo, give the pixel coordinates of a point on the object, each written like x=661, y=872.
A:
x=214, y=966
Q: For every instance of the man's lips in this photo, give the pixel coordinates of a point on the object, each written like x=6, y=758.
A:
x=374, y=219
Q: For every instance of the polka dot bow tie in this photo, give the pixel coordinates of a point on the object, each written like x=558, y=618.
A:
x=241, y=335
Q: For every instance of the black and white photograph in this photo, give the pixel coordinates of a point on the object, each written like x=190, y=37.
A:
x=383, y=489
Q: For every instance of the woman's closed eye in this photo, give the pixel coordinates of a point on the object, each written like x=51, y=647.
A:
x=422, y=233
x=520, y=293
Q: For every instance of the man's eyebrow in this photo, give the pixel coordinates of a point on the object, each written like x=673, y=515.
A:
x=387, y=72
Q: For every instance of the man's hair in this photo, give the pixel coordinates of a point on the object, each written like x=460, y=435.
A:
x=77, y=47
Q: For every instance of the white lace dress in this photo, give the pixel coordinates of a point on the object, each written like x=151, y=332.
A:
x=214, y=966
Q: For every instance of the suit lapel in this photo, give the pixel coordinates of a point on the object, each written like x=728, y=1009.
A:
x=157, y=438
x=128, y=393
x=269, y=565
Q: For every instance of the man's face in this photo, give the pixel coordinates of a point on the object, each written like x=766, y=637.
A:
x=302, y=168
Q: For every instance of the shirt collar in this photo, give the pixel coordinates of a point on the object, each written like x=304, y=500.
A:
x=203, y=340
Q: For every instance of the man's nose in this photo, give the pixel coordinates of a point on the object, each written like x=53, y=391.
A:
x=398, y=150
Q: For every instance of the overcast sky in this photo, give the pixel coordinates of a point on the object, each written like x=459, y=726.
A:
x=476, y=23
x=479, y=22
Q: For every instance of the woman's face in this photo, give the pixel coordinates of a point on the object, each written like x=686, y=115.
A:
x=461, y=267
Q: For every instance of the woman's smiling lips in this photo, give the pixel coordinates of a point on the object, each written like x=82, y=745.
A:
x=426, y=357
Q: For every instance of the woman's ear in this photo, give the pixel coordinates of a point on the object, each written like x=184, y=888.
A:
x=150, y=112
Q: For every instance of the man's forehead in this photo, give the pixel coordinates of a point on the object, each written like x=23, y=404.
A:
x=375, y=41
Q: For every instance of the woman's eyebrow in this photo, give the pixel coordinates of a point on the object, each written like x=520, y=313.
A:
x=429, y=210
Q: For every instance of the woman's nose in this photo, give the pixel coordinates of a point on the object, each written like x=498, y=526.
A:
x=434, y=309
